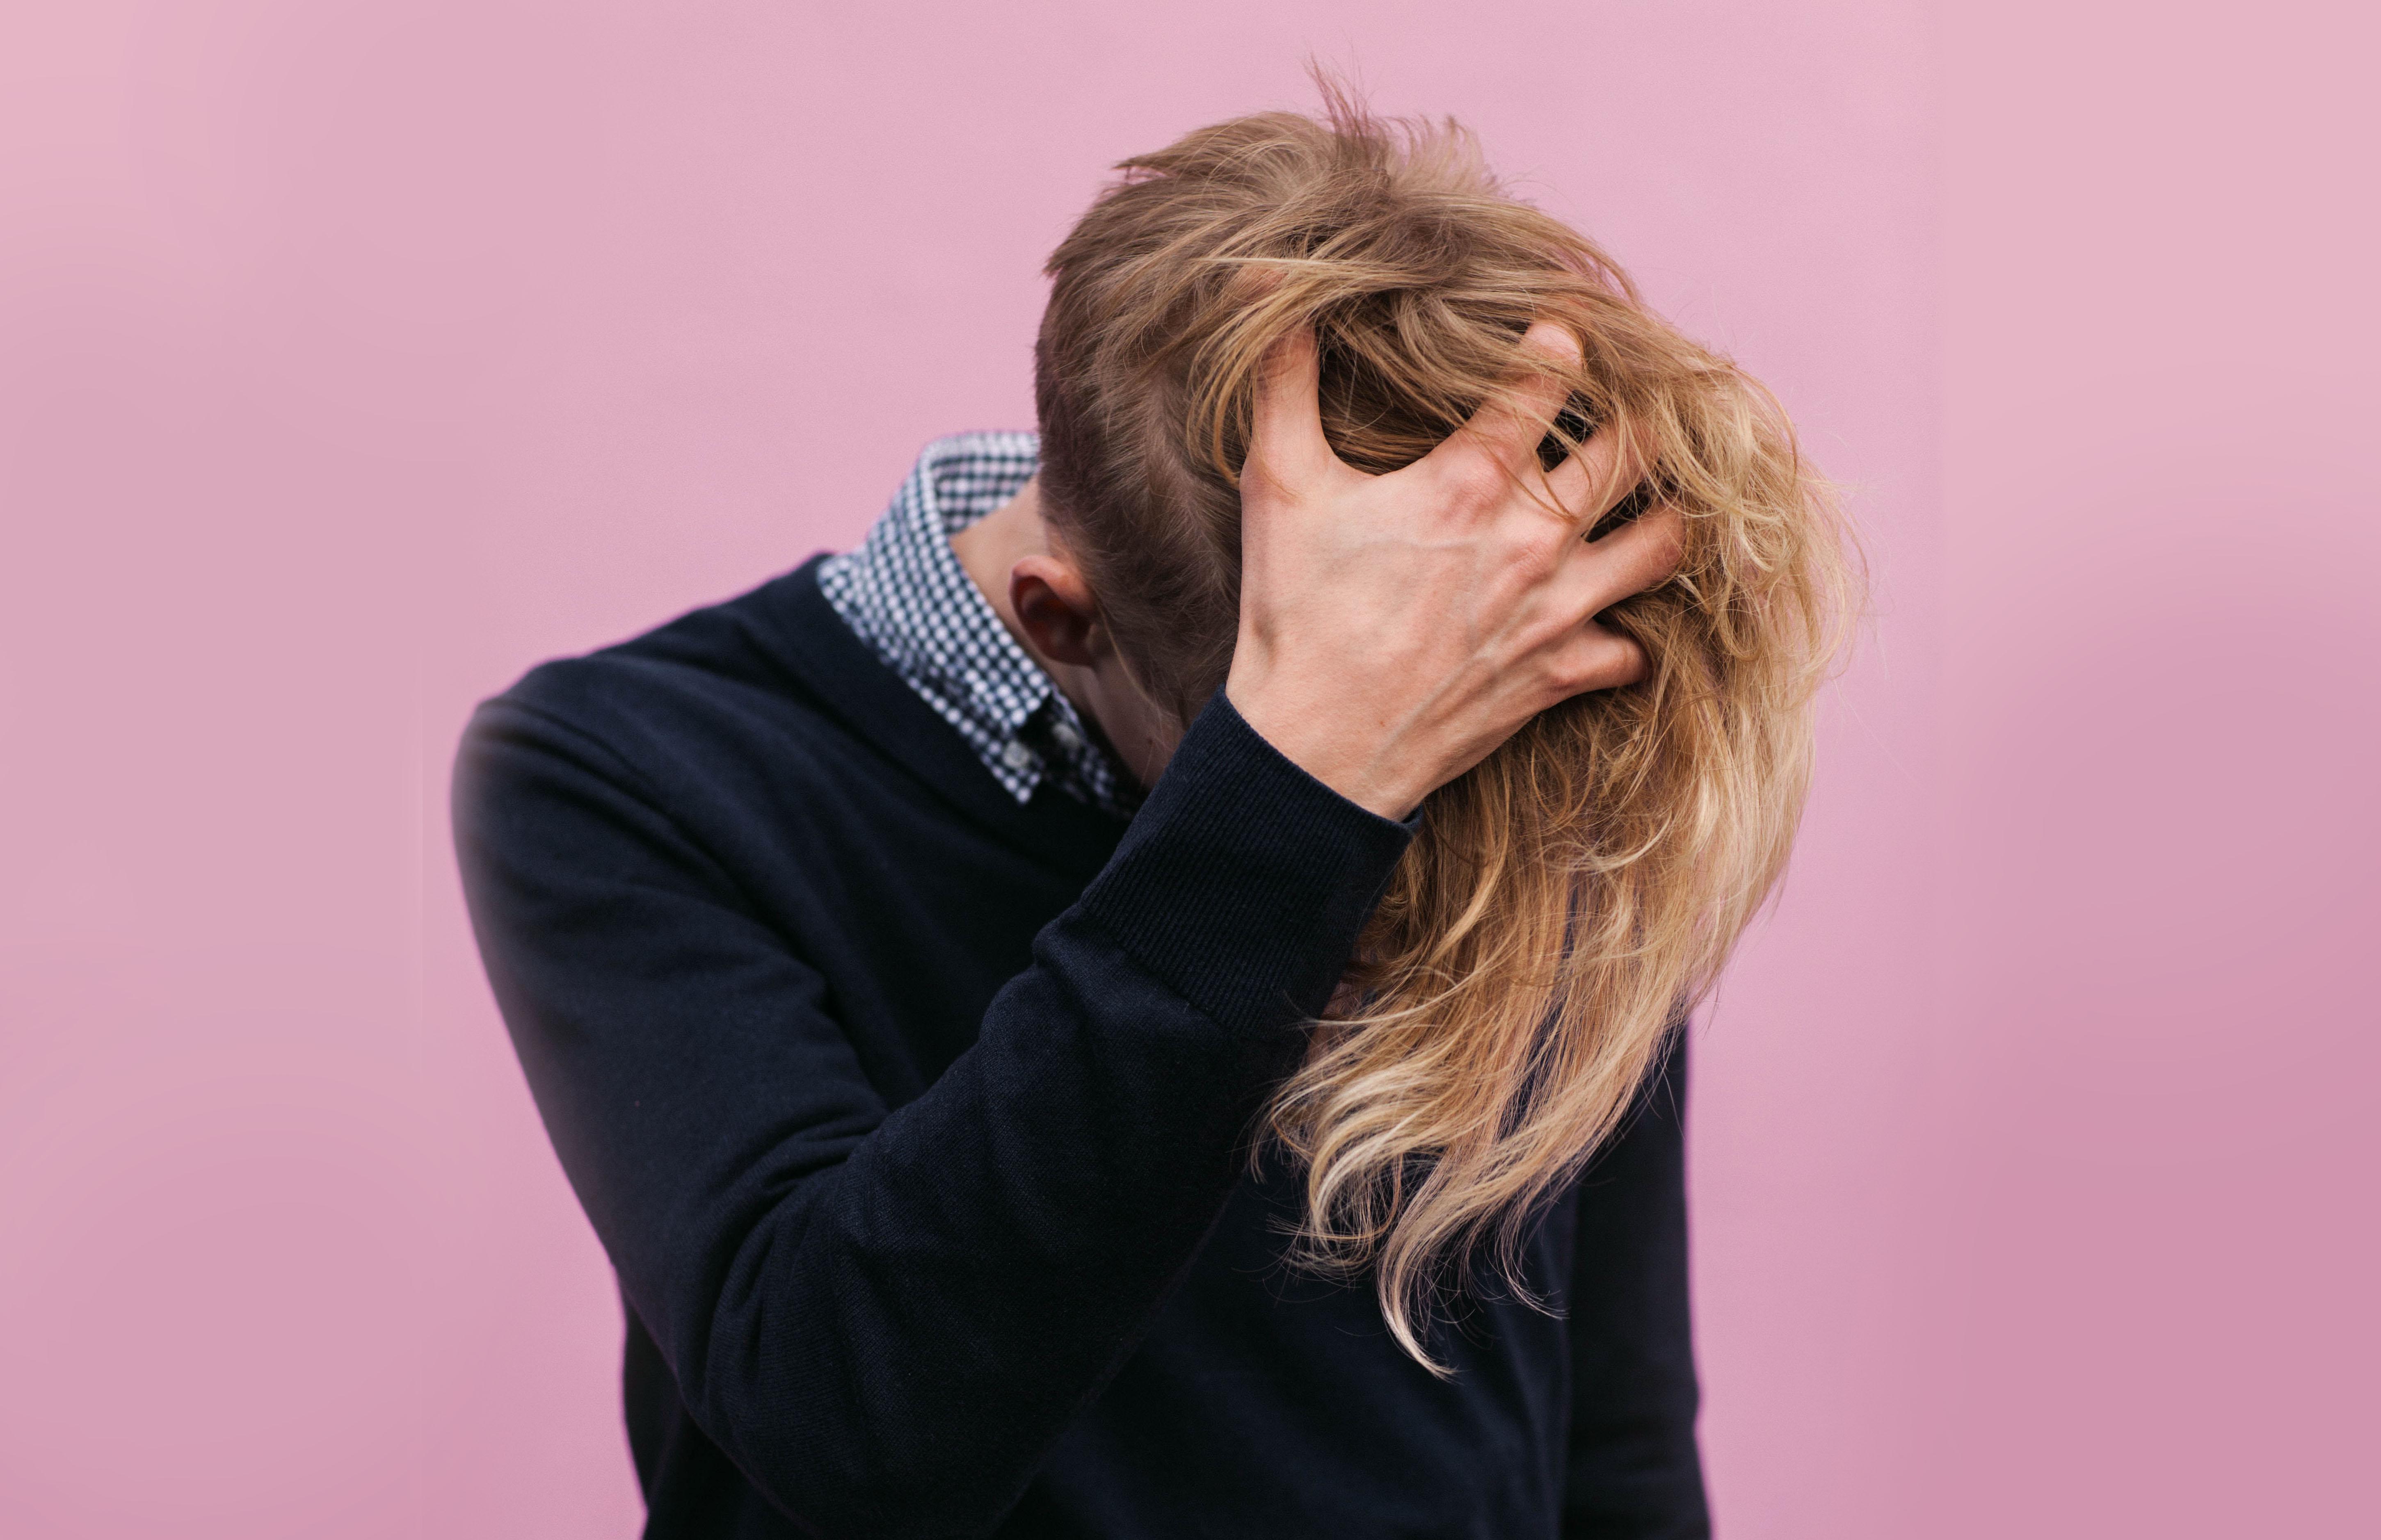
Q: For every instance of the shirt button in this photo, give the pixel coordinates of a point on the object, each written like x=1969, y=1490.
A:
x=1015, y=756
x=1068, y=739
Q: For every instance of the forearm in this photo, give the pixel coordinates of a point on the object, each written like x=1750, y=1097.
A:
x=893, y=1346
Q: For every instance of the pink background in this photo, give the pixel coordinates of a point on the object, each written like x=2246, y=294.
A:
x=354, y=358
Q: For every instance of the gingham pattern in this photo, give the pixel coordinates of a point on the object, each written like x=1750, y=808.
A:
x=908, y=599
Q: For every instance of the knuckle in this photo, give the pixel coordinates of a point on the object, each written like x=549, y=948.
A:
x=1572, y=670
x=1535, y=558
x=1474, y=481
x=1600, y=660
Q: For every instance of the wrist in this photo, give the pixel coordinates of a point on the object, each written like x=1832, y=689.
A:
x=1344, y=756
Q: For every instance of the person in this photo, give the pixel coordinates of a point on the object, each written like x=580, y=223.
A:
x=1146, y=998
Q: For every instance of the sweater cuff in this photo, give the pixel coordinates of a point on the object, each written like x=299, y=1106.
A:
x=1243, y=880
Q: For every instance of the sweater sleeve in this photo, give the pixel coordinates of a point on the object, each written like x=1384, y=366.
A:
x=886, y=1319
x=1634, y=1472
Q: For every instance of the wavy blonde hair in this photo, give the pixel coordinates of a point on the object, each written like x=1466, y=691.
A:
x=1569, y=898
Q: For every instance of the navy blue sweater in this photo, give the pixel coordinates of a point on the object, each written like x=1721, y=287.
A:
x=916, y=1121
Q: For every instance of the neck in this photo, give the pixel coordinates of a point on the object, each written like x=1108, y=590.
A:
x=989, y=550
x=1100, y=689
x=996, y=542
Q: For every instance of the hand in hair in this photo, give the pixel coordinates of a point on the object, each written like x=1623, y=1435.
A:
x=1394, y=629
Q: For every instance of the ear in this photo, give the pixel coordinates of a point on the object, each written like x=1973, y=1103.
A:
x=1054, y=608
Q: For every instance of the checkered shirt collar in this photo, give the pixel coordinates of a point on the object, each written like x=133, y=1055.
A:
x=904, y=594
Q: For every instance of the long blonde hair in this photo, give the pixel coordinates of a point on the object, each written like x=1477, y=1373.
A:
x=1569, y=898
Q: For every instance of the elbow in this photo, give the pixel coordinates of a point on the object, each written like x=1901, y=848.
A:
x=833, y=1483
x=841, y=1436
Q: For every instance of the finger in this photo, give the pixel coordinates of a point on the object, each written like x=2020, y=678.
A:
x=1640, y=554
x=1596, y=658
x=1510, y=426
x=1586, y=484
x=1288, y=441
x=1601, y=475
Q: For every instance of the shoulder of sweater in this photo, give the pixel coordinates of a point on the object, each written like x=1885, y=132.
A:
x=710, y=676
x=772, y=687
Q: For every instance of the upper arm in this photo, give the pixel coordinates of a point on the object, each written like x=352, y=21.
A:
x=679, y=1049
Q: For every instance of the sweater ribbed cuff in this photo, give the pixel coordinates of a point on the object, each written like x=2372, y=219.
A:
x=1244, y=882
